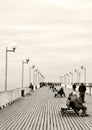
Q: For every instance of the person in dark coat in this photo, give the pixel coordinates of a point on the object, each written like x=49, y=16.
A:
x=82, y=90
x=74, y=87
x=31, y=86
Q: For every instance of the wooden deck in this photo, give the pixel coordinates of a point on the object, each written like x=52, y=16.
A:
x=41, y=111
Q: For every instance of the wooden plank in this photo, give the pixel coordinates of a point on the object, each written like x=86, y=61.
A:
x=41, y=111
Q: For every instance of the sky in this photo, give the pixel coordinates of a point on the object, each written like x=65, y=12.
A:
x=55, y=34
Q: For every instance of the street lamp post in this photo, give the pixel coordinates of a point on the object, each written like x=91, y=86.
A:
x=29, y=75
x=61, y=79
x=78, y=76
x=64, y=79
x=36, y=79
x=82, y=67
x=33, y=67
x=67, y=78
x=13, y=50
x=24, y=62
x=39, y=78
x=71, y=77
x=42, y=77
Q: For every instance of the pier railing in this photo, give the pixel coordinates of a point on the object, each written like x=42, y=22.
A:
x=11, y=96
x=88, y=88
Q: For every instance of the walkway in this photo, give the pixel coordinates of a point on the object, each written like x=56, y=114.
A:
x=41, y=111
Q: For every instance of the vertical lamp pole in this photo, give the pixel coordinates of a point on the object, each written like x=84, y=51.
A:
x=82, y=67
x=29, y=75
x=33, y=67
x=39, y=78
x=78, y=76
x=67, y=78
x=24, y=62
x=71, y=77
x=60, y=79
x=36, y=78
x=64, y=79
x=13, y=50
x=43, y=78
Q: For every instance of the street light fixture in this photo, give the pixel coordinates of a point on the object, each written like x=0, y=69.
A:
x=67, y=78
x=84, y=68
x=7, y=50
x=64, y=79
x=61, y=79
x=43, y=78
x=71, y=77
x=24, y=62
x=36, y=79
x=33, y=67
x=78, y=76
x=14, y=46
x=30, y=75
x=39, y=78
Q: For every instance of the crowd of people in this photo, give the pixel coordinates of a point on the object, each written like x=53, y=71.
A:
x=73, y=101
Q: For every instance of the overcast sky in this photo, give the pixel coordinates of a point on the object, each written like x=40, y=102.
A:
x=55, y=34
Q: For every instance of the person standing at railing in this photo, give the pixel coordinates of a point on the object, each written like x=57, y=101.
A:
x=82, y=90
x=31, y=86
x=74, y=87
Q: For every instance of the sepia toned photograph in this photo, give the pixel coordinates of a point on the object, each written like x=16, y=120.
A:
x=45, y=64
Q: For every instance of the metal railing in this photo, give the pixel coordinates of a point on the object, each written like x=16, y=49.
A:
x=12, y=95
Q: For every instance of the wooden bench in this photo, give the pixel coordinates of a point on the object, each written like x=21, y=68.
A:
x=66, y=109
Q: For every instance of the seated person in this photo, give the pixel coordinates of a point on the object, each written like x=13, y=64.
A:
x=60, y=92
x=54, y=89
x=74, y=102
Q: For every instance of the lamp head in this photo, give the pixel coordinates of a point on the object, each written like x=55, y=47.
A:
x=36, y=70
x=81, y=67
x=14, y=46
x=27, y=60
x=75, y=70
x=33, y=66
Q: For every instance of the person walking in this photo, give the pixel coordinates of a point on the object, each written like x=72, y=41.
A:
x=82, y=90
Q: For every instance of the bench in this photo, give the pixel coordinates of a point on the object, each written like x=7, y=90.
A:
x=66, y=109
